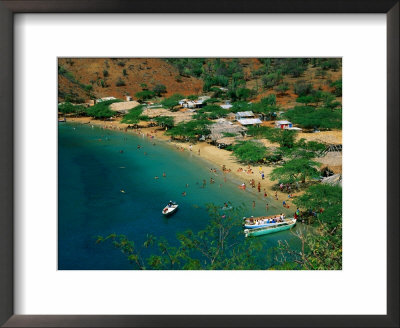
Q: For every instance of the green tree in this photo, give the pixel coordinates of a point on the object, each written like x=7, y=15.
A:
x=68, y=108
x=286, y=138
x=302, y=88
x=120, y=82
x=271, y=80
x=310, y=117
x=322, y=248
x=102, y=109
x=190, y=130
x=337, y=87
x=134, y=115
x=269, y=100
x=325, y=197
x=250, y=151
x=165, y=121
x=295, y=170
x=159, y=89
x=282, y=88
x=306, y=99
x=172, y=101
x=211, y=101
x=243, y=93
x=213, y=111
x=192, y=97
x=144, y=95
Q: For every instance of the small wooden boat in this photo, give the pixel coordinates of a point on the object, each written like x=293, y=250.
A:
x=171, y=208
x=62, y=120
x=281, y=226
x=261, y=221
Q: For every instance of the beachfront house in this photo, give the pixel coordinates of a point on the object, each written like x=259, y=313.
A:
x=283, y=124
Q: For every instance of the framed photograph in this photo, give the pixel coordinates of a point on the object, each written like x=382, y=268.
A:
x=174, y=164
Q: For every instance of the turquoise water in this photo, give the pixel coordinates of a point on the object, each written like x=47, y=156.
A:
x=92, y=172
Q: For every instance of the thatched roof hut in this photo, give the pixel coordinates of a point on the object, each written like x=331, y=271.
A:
x=333, y=180
x=222, y=126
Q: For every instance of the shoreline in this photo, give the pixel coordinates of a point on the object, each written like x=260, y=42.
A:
x=212, y=155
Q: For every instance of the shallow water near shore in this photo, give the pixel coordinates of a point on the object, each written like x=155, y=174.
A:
x=94, y=165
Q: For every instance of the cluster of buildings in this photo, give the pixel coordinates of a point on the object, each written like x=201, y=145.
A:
x=192, y=104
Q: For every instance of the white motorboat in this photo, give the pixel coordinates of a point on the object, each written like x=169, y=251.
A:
x=171, y=208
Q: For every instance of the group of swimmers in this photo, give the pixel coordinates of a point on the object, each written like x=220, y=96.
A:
x=225, y=170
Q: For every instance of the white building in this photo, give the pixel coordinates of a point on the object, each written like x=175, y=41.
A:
x=243, y=115
x=250, y=121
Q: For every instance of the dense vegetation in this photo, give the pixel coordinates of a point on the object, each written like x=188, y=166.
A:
x=134, y=115
x=249, y=151
x=310, y=117
x=172, y=102
x=100, y=110
x=191, y=130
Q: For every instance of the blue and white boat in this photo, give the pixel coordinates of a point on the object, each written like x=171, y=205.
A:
x=262, y=221
x=281, y=226
x=171, y=208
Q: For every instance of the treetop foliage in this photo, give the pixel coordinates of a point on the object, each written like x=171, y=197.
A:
x=309, y=117
x=191, y=129
x=295, y=170
x=134, y=115
x=250, y=151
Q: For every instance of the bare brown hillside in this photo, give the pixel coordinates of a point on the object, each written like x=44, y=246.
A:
x=119, y=77
x=103, y=74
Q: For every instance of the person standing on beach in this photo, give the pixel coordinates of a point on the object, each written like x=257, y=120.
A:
x=267, y=207
x=265, y=194
x=276, y=195
x=199, y=152
x=254, y=204
x=259, y=187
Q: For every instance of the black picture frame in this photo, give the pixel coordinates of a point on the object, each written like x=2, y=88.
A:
x=7, y=11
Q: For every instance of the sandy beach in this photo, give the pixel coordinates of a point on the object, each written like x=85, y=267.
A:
x=217, y=157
